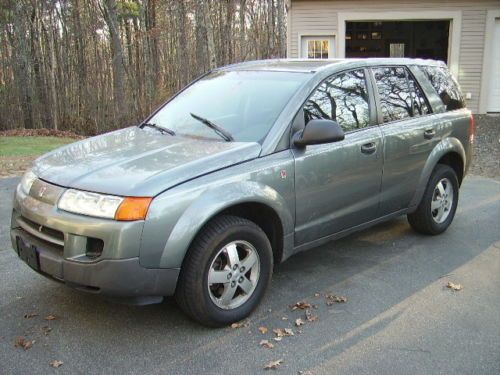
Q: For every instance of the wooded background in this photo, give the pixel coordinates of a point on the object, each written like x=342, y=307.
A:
x=91, y=66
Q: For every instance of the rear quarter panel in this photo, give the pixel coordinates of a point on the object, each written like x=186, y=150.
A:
x=453, y=128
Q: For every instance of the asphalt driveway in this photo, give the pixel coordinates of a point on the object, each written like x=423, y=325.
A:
x=399, y=316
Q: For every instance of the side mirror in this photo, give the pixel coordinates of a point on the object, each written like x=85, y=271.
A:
x=318, y=132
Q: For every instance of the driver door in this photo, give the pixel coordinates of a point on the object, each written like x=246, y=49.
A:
x=337, y=185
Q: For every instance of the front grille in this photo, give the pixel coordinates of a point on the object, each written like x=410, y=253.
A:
x=42, y=232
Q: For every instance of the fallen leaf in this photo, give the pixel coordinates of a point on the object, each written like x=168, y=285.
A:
x=310, y=317
x=273, y=364
x=333, y=298
x=263, y=330
x=284, y=318
x=266, y=344
x=279, y=332
x=50, y=317
x=30, y=315
x=283, y=332
x=301, y=305
x=21, y=342
x=299, y=322
x=55, y=363
x=305, y=373
x=455, y=287
x=46, y=330
x=317, y=294
x=239, y=324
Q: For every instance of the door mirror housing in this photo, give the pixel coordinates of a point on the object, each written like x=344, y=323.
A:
x=319, y=131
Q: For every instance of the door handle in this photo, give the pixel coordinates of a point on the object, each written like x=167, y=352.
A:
x=369, y=148
x=429, y=133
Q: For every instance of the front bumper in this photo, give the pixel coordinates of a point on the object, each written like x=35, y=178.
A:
x=57, y=243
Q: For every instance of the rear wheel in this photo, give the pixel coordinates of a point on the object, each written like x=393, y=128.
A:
x=437, y=208
x=226, y=272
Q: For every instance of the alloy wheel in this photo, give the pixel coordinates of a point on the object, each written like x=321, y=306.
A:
x=233, y=275
x=442, y=200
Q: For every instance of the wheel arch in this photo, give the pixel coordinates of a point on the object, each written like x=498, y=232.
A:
x=263, y=216
x=454, y=160
x=449, y=151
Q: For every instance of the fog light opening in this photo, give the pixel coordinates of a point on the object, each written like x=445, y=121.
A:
x=94, y=248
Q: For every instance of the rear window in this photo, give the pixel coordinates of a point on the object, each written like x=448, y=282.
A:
x=446, y=87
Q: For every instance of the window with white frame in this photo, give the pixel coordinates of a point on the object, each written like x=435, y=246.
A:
x=317, y=47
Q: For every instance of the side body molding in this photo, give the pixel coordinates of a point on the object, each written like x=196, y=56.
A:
x=445, y=146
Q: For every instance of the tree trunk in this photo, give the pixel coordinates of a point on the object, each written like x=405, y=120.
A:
x=182, y=44
x=241, y=16
x=228, y=33
x=52, y=83
x=281, y=29
x=212, y=60
x=111, y=17
x=22, y=64
x=202, y=58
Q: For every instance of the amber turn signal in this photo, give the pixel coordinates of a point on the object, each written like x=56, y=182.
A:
x=133, y=208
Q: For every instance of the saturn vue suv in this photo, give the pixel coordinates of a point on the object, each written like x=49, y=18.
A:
x=246, y=166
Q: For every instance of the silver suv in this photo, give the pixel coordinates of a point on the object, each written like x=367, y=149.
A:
x=245, y=167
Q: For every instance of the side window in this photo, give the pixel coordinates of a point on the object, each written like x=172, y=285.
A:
x=342, y=98
x=394, y=93
x=446, y=86
x=420, y=105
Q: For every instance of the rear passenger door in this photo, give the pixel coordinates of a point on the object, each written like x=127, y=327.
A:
x=410, y=133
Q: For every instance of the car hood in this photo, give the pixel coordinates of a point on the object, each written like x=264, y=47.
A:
x=138, y=162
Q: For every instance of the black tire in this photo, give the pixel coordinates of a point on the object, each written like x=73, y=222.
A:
x=192, y=292
x=422, y=219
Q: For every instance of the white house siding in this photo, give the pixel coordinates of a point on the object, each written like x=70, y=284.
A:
x=320, y=17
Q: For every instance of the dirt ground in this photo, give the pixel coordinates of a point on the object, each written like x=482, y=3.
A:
x=11, y=166
x=486, y=160
x=486, y=153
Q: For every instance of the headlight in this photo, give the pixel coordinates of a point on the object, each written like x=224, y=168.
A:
x=27, y=181
x=104, y=206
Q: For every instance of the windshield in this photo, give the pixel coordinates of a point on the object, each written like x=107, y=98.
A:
x=243, y=103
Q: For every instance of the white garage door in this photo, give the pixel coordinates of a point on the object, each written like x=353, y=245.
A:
x=494, y=81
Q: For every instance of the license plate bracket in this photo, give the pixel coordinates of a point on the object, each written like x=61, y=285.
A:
x=28, y=253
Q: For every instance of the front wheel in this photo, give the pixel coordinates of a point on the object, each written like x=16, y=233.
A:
x=437, y=208
x=226, y=272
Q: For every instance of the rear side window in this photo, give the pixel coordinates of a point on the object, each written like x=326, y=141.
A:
x=446, y=86
x=420, y=105
x=394, y=93
x=342, y=98
x=400, y=95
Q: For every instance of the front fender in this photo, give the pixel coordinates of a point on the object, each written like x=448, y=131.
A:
x=213, y=201
x=445, y=146
x=206, y=205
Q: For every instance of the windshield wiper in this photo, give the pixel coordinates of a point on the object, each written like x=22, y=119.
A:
x=161, y=129
x=217, y=129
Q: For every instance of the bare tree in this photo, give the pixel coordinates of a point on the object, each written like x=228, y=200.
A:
x=93, y=65
x=109, y=9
